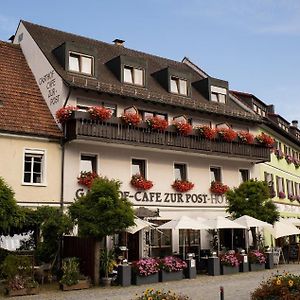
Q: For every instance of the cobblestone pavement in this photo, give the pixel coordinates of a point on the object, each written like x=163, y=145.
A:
x=236, y=287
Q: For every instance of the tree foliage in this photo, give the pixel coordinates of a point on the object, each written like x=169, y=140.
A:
x=102, y=211
x=252, y=198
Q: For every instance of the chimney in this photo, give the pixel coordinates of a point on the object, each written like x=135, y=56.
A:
x=271, y=109
x=295, y=123
x=119, y=42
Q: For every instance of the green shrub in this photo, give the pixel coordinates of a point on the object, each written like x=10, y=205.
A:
x=70, y=268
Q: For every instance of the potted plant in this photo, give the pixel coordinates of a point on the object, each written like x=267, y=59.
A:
x=171, y=268
x=87, y=178
x=227, y=134
x=100, y=113
x=265, y=139
x=281, y=195
x=218, y=188
x=182, y=186
x=131, y=118
x=18, y=270
x=245, y=137
x=296, y=163
x=72, y=279
x=140, y=183
x=145, y=271
x=64, y=113
x=279, y=154
x=229, y=263
x=183, y=128
x=107, y=264
x=289, y=159
x=257, y=260
x=157, y=123
x=206, y=132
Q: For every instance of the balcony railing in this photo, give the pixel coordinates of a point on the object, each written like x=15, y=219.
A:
x=113, y=131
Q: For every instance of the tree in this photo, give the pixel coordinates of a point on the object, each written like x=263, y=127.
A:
x=252, y=198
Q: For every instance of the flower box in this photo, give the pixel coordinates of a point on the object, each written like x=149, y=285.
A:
x=140, y=183
x=82, y=284
x=183, y=128
x=157, y=123
x=256, y=267
x=245, y=137
x=182, y=186
x=225, y=270
x=265, y=139
x=218, y=188
x=227, y=134
x=170, y=276
x=139, y=280
x=206, y=132
x=22, y=292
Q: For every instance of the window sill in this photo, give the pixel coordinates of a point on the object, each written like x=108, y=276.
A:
x=34, y=184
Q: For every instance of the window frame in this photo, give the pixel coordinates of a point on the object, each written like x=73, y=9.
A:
x=43, y=153
x=80, y=55
x=154, y=114
x=220, y=173
x=241, y=177
x=94, y=161
x=132, y=70
x=177, y=80
x=183, y=169
x=144, y=167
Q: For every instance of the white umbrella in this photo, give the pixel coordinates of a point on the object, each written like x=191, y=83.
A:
x=283, y=228
x=139, y=225
x=293, y=221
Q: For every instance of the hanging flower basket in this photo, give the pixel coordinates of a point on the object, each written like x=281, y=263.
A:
x=132, y=119
x=140, y=183
x=87, y=178
x=182, y=186
x=279, y=154
x=157, y=123
x=100, y=113
x=245, y=137
x=207, y=132
x=227, y=134
x=265, y=139
x=183, y=128
x=64, y=113
x=218, y=188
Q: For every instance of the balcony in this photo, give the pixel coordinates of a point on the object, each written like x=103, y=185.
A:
x=80, y=126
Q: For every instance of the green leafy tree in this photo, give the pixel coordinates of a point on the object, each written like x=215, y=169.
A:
x=252, y=198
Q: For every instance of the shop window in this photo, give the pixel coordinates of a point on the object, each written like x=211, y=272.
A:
x=244, y=175
x=34, y=165
x=138, y=166
x=178, y=86
x=134, y=75
x=215, y=174
x=180, y=172
x=81, y=63
x=88, y=163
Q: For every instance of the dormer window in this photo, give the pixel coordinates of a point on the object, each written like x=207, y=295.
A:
x=81, y=63
x=134, y=75
x=178, y=86
x=218, y=94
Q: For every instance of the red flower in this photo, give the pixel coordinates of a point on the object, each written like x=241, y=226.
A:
x=131, y=118
x=183, y=127
x=64, y=113
x=246, y=137
x=87, y=178
x=218, y=188
x=140, y=183
x=207, y=132
x=100, y=113
x=182, y=186
x=265, y=140
x=157, y=123
x=227, y=134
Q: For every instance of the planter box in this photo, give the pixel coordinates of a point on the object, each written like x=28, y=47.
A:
x=138, y=280
x=22, y=292
x=170, y=276
x=244, y=267
x=257, y=267
x=225, y=270
x=82, y=284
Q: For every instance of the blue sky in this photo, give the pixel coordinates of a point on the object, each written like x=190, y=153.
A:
x=254, y=44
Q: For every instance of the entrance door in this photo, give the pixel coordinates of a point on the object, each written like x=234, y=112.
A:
x=133, y=246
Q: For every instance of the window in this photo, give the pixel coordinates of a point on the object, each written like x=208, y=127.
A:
x=244, y=175
x=297, y=189
x=81, y=63
x=215, y=174
x=88, y=163
x=138, y=166
x=290, y=187
x=269, y=179
x=178, y=86
x=148, y=115
x=218, y=94
x=134, y=75
x=180, y=172
x=85, y=105
x=34, y=161
x=280, y=185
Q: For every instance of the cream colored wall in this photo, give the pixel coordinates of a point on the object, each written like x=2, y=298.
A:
x=11, y=169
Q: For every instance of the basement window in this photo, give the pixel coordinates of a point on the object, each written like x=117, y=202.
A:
x=81, y=63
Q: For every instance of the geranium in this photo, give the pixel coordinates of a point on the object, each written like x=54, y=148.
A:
x=64, y=113
x=172, y=264
x=207, y=132
x=278, y=153
x=265, y=140
x=218, y=188
x=289, y=159
x=278, y=286
x=229, y=259
x=227, y=134
x=87, y=178
x=245, y=137
x=157, y=123
x=100, y=113
x=281, y=195
x=132, y=119
x=256, y=257
x=140, y=183
x=292, y=197
x=146, y=266
x=183, y=128
x=182, y=186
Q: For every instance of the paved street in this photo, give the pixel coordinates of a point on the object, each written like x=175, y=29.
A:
x=237, y=287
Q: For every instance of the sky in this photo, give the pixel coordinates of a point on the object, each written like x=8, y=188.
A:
x=253, y=44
